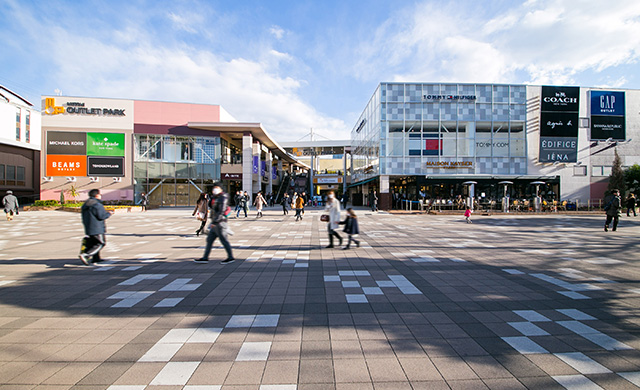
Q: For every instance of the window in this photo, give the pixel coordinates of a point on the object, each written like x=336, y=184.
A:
x=20, y=180
x=1, y=174
x=27, y=129
x=580, y=171
x=18, y=124
x=599, y=170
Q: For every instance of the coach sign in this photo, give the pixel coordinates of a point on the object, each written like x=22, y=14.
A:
x=559, y=108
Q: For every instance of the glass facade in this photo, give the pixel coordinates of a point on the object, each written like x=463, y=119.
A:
x=173, y=170
x=441, y=129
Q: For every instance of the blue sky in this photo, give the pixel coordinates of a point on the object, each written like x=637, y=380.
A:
x=293, y=65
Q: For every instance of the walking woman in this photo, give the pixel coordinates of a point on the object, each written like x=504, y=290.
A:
x=299, y=207
x=259, y=202
x=351, y=228
x=332, y=210
x=201, y=212
x=285, y=203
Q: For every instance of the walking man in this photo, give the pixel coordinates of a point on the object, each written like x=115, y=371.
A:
x=144, y=201
x=10, y=203
x=613, y=210
x=373, y=201
x=631, y=205
x=93, y=217
x=219, y=209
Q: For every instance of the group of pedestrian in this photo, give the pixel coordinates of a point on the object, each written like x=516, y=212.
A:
x=332, y=217
x=241, y=201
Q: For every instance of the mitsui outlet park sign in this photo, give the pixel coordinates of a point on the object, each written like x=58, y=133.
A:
x=84, y=154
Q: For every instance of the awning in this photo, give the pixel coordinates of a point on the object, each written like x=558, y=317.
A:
x=363, y=182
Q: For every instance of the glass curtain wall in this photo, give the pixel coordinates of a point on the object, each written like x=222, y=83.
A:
x=173, y=170
x=480, y=124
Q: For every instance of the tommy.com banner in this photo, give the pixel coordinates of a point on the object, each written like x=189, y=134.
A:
x=84, y=154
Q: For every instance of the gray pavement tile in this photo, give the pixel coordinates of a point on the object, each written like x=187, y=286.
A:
x=245, y=373
x=351, y=370
x=105, y=374
x=316, y=371
x=385, y=370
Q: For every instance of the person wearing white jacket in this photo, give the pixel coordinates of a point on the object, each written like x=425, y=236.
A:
x=333, y=210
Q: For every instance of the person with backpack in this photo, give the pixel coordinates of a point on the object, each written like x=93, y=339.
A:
x=93, y=219
x=613, y=210
x=219, y=206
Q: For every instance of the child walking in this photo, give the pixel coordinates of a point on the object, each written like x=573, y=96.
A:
x=467, y=215
x=351, y=227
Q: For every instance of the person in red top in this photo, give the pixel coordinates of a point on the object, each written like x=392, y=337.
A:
x=467, y=215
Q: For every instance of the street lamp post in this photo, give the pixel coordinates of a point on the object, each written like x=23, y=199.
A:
x=505, y=197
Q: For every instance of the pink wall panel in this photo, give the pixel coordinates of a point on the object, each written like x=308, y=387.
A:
x=166, y=113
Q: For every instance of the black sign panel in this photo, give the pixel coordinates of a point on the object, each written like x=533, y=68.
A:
x=66, y=143
x=605, y=127
x=559, y=124
x=105, y=166
x=560, y=99
x=562, y=149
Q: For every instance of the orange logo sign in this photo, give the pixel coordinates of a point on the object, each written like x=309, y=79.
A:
x=65, y=165
x=50, y=107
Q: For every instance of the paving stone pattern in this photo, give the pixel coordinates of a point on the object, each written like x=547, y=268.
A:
x=426, y=302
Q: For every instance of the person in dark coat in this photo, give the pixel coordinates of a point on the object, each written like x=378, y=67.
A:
x=631, y=205
x=613, y=210
x=373, y=200
x=93, y=217
x=351, y=227
x=144, y=201
x=219, y=210
x=285, y=204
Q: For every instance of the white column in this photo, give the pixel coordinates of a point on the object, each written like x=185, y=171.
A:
x=247, y=163
x=269, y=172
x=384, y=184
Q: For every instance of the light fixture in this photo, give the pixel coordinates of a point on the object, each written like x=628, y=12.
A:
x=578, y=163
x=117, y=179
x=47, y=178
x=71, y=179
x=94, y=179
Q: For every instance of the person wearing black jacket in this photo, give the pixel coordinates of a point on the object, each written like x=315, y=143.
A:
x=613, y=210
x=218, y=210
x=93, y=217
x=631, y=205
x=351, y=227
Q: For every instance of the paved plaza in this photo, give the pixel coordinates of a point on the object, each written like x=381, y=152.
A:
x=426, y=302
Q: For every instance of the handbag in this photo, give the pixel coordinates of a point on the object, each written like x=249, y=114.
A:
x=324, y=218
x=200, y=216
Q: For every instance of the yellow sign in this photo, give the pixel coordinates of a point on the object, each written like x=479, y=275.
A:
x=50, y=107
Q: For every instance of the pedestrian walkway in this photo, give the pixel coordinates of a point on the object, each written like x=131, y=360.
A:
x=426, y=302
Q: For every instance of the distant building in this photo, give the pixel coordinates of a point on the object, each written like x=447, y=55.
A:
x=170, y=151
x=19, y=147
x=426, y=140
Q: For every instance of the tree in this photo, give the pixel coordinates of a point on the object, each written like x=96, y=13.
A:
x=617, y=179
x=632, y=178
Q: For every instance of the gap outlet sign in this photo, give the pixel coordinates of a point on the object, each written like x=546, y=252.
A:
x=608, y=115
x=105, y=144
x=559, y=108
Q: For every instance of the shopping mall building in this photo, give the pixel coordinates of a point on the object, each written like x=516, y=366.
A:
x=442, y=140
x=171, y=151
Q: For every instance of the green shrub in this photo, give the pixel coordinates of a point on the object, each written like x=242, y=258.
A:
x=46, y=203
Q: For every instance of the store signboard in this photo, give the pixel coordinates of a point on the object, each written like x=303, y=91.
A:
x=605, y=127
x=105, y=166
x=559, y=124
x=66, y=165
x=559, y=107
x=608, y=115
x=105, y=144
x=231, y=176
x=562, y=149
x=555, y=98
x=66, y=143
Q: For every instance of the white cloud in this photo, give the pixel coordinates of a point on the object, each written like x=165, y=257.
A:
x=277, y=32
x=181, y=22
x=549, y=41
